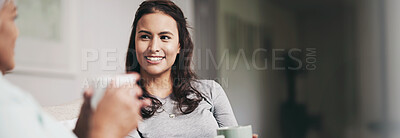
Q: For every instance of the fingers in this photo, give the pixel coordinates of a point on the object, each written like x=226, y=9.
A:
x=112, y=84
x=134, y=90
x=9, y=4
x=87, y=96
x=145, y=102
x=138, y=91
x=88, y=93
x=135, y=75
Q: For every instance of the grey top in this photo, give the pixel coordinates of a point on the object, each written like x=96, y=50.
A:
x=214, y=111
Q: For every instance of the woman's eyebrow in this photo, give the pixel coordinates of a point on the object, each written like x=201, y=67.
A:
x=143, y=31
x=165, y=32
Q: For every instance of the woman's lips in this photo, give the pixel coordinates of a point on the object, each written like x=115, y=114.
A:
x=154, y=59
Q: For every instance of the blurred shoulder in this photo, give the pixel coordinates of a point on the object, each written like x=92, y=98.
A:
x=11, y=94
x=207, y=87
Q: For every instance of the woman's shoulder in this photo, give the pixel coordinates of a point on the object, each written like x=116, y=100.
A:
x=205, y=84
x=208, y=88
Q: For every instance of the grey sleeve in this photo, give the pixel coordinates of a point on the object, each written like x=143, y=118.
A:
x=223, y=112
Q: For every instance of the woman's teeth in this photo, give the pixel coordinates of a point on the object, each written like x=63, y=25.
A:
x=154, y=58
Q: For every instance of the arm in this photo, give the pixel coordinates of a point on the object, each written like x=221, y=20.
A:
x=18, y=121
x=223, y=112
x=22, y=116
x=117, y=113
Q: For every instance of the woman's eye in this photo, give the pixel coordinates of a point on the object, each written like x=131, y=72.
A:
x=144, y=37
x=165, y=37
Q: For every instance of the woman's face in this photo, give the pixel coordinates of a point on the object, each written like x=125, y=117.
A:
x=156, y=43
x=8, y=36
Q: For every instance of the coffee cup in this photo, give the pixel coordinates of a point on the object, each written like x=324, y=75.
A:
x=100, y=84
x=235, y=132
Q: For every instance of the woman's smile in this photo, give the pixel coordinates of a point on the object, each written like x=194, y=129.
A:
x=154, y=59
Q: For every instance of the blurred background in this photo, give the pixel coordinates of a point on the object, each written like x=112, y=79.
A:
x=291, y=68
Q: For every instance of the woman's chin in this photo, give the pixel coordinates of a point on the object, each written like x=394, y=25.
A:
x=155, y=72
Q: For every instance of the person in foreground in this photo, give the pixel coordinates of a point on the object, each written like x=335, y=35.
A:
x=161, y=49
x=22, y=117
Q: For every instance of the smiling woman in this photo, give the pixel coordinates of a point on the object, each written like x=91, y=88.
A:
x=161, y=50
x=157, y=43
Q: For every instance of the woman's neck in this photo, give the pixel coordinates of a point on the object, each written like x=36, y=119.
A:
x=157, y=85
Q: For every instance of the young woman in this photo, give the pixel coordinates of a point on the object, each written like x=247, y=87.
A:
x=160, y=50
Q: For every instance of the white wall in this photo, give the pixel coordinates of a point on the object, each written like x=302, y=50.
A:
x=99, y=25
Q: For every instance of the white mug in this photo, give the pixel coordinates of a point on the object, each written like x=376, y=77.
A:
x=235, y=132
x=100, y=85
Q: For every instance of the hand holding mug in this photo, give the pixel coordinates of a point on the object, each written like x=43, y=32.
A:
x=116, y=114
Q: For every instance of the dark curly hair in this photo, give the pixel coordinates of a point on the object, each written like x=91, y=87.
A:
x=186, y=96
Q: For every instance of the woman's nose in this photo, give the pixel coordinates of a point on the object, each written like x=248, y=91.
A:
x=154, y=46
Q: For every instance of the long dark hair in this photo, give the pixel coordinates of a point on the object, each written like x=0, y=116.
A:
x=186, y=96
